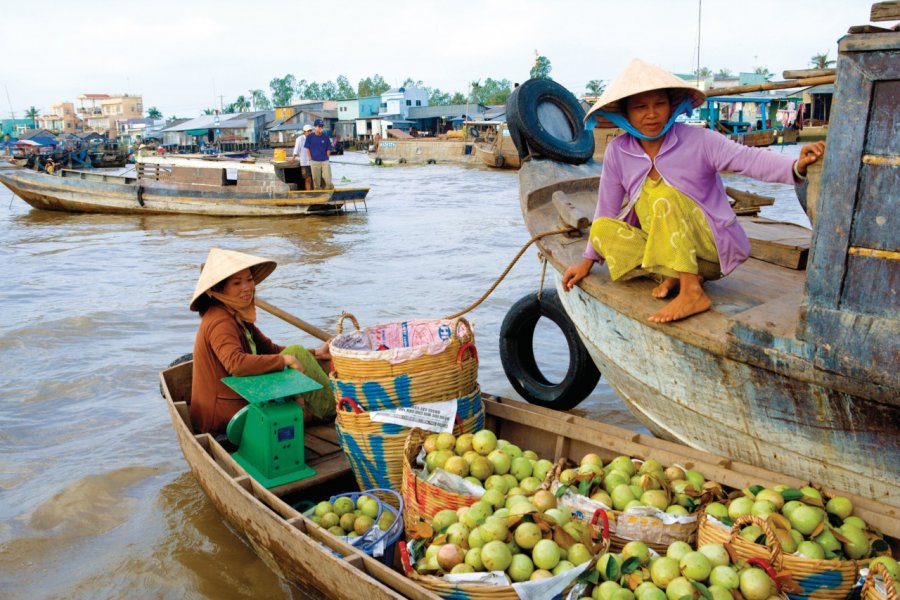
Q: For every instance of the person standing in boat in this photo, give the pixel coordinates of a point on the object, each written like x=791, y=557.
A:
x=318, y=145
x=662, y=210
x=229, y=343
x=300, y=151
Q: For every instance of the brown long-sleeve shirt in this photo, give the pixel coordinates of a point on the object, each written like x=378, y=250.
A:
x=220, y=350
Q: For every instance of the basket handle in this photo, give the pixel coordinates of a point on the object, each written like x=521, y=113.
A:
x=601, y=514
x=767, y=567
x=340, y=323
x=351, y=403
x=772, y=543
x=462, y=350
x=869, y=583
x=470, y=337
x=404, y=557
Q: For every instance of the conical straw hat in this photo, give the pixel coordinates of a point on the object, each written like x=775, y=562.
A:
x=638, y=77
x=222, y=264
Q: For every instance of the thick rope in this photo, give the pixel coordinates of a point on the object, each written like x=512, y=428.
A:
x=508, y=269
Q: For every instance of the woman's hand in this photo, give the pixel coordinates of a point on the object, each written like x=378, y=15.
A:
x=808, y=155
x=576, y=273
x=292, y=362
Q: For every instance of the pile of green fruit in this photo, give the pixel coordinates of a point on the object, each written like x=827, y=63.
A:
x=624, y=483
x=681, y=574
x=804, y=523
x=486, y=461
x=352, y=519
x=528, y=538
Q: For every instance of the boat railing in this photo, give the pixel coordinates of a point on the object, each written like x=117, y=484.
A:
x=152, y=171
x=91, y=176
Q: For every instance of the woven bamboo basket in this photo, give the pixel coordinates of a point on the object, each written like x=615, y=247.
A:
x=624, y=527
x=870, y=589
x=385, y=393
x=817, y=579
x=375, y=450
x=376, y=364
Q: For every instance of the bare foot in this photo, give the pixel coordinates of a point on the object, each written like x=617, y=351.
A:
x=663, y=289
x=690, y=301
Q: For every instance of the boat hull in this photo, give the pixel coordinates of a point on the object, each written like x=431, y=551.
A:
x=93, y=193
x=708, y=401
x=505, y=160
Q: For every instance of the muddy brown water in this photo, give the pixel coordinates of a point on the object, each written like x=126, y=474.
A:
x=96, y=500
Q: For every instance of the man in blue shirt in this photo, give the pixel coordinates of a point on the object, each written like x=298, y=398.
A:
x=318, y=145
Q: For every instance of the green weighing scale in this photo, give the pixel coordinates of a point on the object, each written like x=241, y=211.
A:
x=269, y=430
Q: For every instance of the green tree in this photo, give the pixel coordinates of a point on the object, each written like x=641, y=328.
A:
x=329, y=90
x=154, y=113
x=345, y=91
x=821, y=61
x=32, y=113
x=458, y=98
x=207, y=111
x=313, y=91
x=372, y=86
x=413, y=83
x=541, y=67
x=438, y=98
x=724, y=74
x=301, y=89
x=282, y=89
x=492, y=91
x=259, y=101
x=595, y=87
x=764, y=71
x=241, y=104
x=702, y=72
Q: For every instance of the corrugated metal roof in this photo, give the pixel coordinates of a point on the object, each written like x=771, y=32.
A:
x=448, y=110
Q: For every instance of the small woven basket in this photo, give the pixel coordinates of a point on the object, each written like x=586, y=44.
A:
x=870, y=589
x=435, y=385
x=375, y=450
x=815, y=579
x=377, y=364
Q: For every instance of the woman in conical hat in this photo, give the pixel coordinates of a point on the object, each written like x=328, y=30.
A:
x=662, y=209
x=229, y=343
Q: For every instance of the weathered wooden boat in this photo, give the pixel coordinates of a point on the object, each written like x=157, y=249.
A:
x=795, y=368
x=171, y=185
x=307, y=555
x=498, y=150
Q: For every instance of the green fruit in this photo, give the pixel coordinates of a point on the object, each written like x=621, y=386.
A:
x=719, y=593
x=695, y=566
x=751, y=533
x=677, y=550
x=496, y=556
x=857, y=545
x=323, y=508
x=717, y=510
x=606, y=589
x=664, y=570
x=521, y=568
x=890, y=564
x=842, y=507
x=806, y=518
x=716, y=554
x=811, y=549
x=545, y=554
x=640, y=550
x=724, y=576
x=740, y=507
x=680, y=587
x=755, y=584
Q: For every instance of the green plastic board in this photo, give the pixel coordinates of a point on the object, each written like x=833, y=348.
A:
x=257, y=389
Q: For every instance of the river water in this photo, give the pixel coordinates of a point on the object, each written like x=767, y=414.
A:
x=96, y=500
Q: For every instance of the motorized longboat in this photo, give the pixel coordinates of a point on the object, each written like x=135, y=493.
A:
x=497, y=149
x=795, y=367
x=307, y=555
x=173, y=185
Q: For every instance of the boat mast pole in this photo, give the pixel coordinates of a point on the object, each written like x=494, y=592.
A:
x=699, y=8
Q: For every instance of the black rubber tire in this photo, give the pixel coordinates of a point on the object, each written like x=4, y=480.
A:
x=402, y=161
x=378, y=161
x=499, y=162
x=520, y=366
x=431, y=161
x=512, y=124
x=181, y=359
x=473, y=132
x=550, y=122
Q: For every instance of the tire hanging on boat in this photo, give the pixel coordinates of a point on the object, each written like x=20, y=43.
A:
x=546, y=121
x=499, y=161
x=520, y=365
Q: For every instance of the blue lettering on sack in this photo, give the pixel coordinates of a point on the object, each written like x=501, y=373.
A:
x=366, y=467
x=377, y=398
x=444, y=332
x=348, y=390
x=405, y=330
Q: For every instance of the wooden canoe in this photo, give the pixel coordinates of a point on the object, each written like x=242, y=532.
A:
x=86, y=192
x=304, y=554
x=498, y=151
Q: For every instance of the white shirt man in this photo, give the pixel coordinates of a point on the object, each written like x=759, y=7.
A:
x=300, y=150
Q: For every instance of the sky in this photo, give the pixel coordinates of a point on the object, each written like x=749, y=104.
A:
x=182, y=55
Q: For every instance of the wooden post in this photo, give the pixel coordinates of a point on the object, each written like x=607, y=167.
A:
x=771, y=85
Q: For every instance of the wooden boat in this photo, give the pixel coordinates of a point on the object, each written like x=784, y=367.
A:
x=306, y=555
x=167, y=185
x=795, y=368
x=498, y=150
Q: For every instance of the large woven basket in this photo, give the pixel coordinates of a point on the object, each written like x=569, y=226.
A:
x=372, y=363
x=816, y=579
x=870, y=587
x=375, y=450
x=385, y=393
x=624, y=527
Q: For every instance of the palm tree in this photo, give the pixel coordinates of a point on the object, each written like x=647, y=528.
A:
x=764, y=71
x=32, y=113
x=154, y=113
x=724, y=74
x=207, y=111
x=240, y=104
x=595, y=87
x=821, y=61
x=702, y=72
x=259, y=100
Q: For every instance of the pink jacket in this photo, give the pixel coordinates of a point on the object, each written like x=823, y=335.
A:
x=690, y=160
